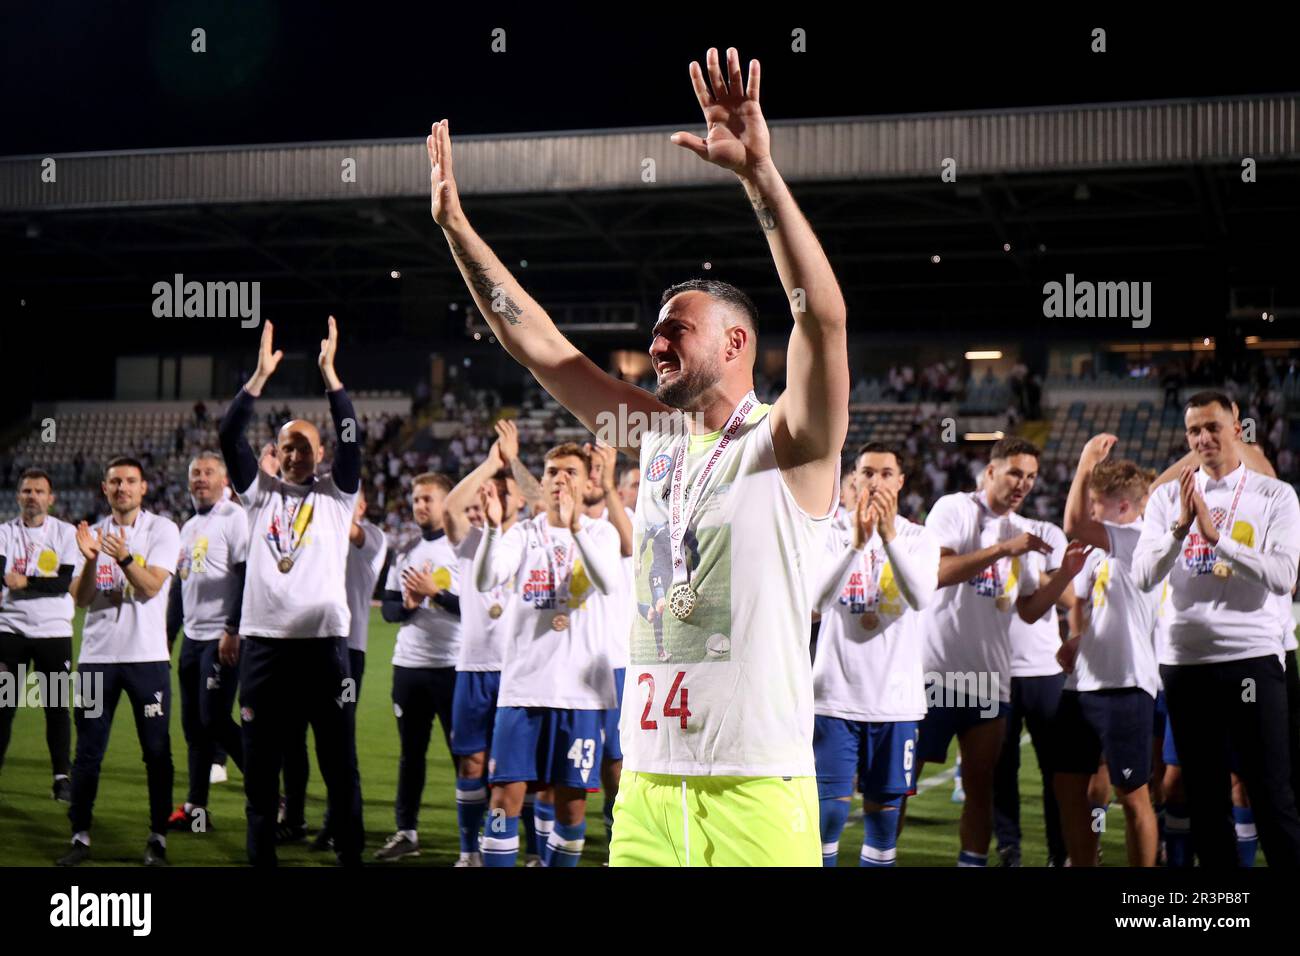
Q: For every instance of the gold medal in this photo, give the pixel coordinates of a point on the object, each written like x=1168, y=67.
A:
x=1221, y=570
x=494, y=611
x=560, y=622
x=285, y=564
x=682, y=600
x=1003, y=603
x=869, y=621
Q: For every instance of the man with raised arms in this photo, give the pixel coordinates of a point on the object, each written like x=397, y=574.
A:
x=721, y=730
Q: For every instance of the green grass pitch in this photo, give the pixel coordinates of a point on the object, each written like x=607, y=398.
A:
x=34, y=828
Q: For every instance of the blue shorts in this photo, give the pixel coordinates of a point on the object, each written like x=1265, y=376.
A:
x=547, y=745
x=941, y=724
x=1114, y=722
x=473, y=711
x=1160, y=718
x=613, y=742
x=881, y=753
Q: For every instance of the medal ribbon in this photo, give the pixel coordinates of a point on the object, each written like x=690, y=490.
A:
x=301, y=518
x=1226, y=527
x=681, y=511
x=1003, y=590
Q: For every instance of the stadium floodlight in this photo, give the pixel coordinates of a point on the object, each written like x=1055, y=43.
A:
x=983, y=436
x=985, y=355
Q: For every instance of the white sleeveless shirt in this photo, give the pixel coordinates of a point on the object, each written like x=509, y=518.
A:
x=735, y=697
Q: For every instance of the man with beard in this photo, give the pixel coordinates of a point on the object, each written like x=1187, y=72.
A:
x=205, y=598
x=38, y=558
x=715, y=737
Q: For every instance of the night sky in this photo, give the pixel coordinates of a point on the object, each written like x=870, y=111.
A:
x=120, y=75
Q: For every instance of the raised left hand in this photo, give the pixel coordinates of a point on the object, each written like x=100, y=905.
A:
x=737, y=138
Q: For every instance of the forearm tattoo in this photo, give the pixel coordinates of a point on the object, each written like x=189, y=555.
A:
x=766, y=218
x=481, y=282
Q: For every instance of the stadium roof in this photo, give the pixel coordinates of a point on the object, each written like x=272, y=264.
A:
x=1130, y=191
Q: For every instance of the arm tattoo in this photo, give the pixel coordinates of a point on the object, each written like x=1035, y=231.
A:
x=480, y=282
x=529, y=487
x=766, y=218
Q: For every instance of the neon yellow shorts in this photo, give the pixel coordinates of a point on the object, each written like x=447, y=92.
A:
x=720, y=821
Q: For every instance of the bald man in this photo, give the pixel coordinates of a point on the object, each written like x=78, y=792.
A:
x=293, y=661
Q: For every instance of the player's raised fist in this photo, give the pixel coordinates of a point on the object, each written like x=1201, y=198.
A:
x=736, y=136
x=443, y=196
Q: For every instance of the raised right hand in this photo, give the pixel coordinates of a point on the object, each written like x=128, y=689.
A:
x=89, y=544
x=444, y=197
x=1097, y=449
x=268, y=359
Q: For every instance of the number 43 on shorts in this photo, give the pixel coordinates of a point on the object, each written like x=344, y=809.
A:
x=583, y=753
x=682, y=711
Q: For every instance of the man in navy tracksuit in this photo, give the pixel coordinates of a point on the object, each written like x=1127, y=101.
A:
x=293, y=659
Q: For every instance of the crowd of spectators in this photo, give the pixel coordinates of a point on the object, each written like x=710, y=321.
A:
x=451, y=433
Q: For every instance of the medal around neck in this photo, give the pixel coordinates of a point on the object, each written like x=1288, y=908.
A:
x=560, y=622
x=285, y=564
x=494, y=611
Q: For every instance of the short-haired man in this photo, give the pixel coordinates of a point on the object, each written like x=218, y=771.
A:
x=1108, y=705
x=422, y=594
x=968, y=629
x=123, y=587
x=556, y=682
x=763, y=482
x=484, y=619
x=206, y=595
x=1227, y=538
x=867, y=678
x=38, y=559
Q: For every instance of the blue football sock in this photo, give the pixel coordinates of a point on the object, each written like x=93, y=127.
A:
x=967, y=858
x=528, y=820
x=565, y=844
x=1247, y=838
x=544, y=821
x=501, y=842
x=880, y=841
x=834, y=814
x=471, y=804
x=1178, y=832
